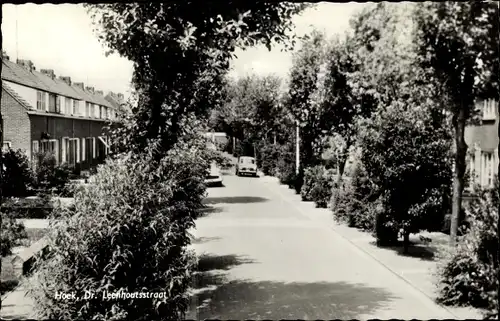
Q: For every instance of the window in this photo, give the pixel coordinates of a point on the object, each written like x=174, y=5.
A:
x=489, y=108
x=76, y=104
x=40, y=100
x=72, y=151
x=101, y=112
x=67, y=106
x=92, y=110
x=58, y=104
x=87, y=109
x=50, y=146
x=34, y=149
x=6, y=146
x=489, y=168
x=52, y=103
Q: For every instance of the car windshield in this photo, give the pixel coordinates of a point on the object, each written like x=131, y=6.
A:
x=247, y=160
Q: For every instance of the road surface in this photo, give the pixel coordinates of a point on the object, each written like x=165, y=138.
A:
x=262, y=258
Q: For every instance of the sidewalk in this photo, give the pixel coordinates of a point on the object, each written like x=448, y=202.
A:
x=16, y=305
x=417, y=271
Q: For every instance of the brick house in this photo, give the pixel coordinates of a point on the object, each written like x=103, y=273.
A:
x=43, y=113
x=482, y=141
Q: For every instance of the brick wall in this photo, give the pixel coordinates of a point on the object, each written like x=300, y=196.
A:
x=16, y=123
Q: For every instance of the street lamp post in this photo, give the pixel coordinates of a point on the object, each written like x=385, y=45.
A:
x=297, y=149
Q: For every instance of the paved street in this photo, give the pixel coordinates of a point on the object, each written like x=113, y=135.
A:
x=263, y=258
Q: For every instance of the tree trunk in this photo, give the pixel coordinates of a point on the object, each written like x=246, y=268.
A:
x=498, y=222
x=342, y=160
x=458, y=175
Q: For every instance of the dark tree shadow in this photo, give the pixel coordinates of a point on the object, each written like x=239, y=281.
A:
x=200, y=240
x=208, y=262
x=210, y=210
x=235, y=200
x=426, y=251
x=244, y=299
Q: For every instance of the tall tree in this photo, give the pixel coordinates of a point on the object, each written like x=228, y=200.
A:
x=305, y=96
x=458, y=43
x=181, y=52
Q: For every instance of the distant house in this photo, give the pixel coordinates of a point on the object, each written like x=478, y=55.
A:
x=482, y=141
x=43, y=113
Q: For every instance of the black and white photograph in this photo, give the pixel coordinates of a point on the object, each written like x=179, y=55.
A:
x=250, y=160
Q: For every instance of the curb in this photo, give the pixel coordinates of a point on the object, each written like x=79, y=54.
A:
x=406, y=280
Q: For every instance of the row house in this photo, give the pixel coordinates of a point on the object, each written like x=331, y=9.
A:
x=45, y=113
x=482, y=141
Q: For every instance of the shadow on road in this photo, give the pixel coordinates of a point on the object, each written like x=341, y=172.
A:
x=200, y=240
x=207, y=262
x=243, y=299
x=217, y=297
x=423, y=251
x=210, y=210
x=235, y=200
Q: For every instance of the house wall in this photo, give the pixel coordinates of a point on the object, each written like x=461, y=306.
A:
x=26, y=93
x=16, y=123
x=59, y=128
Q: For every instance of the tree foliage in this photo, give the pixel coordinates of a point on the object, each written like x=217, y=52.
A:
x=181, y=52
x=458, y=46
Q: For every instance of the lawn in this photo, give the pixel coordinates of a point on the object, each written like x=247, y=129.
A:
x=8, y=278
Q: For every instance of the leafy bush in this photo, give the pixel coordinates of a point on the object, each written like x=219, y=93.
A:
x=318, y=184
x=11, y=235
x=17, y=177
x=357, y=203
x=51, y=177
x=267, y=159
x=37, y=208
x=468, y=274
x=128, y=232
x=407, y=154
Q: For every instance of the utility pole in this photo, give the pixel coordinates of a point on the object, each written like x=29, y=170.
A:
x=297, y=149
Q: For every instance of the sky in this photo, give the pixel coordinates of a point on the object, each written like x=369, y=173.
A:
x=60, y=37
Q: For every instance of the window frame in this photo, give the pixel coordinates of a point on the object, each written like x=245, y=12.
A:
x=40, y=100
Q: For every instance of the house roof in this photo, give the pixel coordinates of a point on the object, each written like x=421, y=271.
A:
x=14, y=95
x=485, y=135
x=20, y=75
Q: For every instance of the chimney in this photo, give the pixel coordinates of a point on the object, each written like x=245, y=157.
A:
x=90, y=89
x=99, y=92
x=48, y=73
x=27, y=64
x=66, y=79
x=120, y=96
x=111, y=94
x=4, y=55
x=79, y=85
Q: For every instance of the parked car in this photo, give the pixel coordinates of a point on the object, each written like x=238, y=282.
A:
x=214, y=177
x=246, y=165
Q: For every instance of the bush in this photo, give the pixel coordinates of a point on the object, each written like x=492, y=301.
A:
x=17, y=177
x=11, y=234
x=128, y=232
x=37, y=208
x=318, y=184
x=468, y=275
x=267, y=159
x=357, y=203
x=407, y=154
x=51, y=177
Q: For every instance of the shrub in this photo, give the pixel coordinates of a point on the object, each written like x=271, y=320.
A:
x=318, y=184
x=127, y=232
x=38, y=208
x=11, y=235
x=267, y=159
x=468, y=274
x=408, y=155
x=51, y=177
x=17, y=177
x=356, y=204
